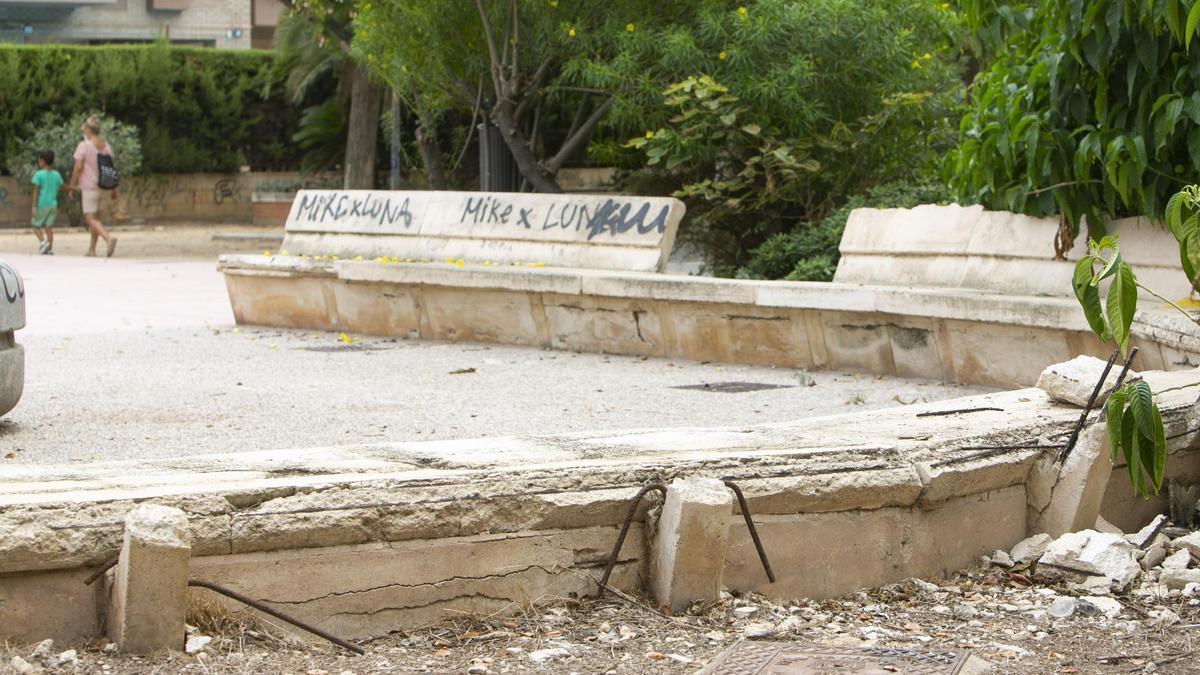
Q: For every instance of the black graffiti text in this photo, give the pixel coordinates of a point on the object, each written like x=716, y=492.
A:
x=333, y=206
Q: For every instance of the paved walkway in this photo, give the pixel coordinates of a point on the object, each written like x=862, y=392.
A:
x=131, y=358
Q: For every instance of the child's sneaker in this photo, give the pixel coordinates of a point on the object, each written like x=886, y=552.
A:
x=44, y=248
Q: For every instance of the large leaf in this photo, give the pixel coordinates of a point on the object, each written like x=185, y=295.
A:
x=1160, y=450
x=1121, y=305
x=1141, y=404
x=1089, y=298
x=1114, y=413
x=1175, y=215
x=1192, y=20
x=1129, y=449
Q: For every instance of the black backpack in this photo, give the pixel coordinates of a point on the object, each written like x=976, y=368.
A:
x=108, y=178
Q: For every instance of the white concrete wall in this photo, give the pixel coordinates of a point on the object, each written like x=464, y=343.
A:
x=968, y=247
x=612, y=232
x=203, y=20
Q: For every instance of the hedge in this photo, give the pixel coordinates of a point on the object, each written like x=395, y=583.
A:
x=199, y=110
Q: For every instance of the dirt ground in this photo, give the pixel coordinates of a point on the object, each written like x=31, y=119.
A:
x=999, y=615
x=170, y=242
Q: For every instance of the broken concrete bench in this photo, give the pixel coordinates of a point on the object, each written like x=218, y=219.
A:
x=12, y=319
x=943, y=292
x=436, y=529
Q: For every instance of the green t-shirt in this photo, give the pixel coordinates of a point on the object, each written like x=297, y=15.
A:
x=48, y=182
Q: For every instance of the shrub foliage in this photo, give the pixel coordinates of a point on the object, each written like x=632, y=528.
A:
x=1089, y=109
x=199, y=110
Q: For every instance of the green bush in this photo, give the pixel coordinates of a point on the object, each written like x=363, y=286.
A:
x=1092, y=109
x=780, y=110
x=199, y=110
x=62, y=135
x=810, y=252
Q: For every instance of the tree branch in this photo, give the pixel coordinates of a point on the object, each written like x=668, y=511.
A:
x=493, y=55
x=516, y=48
x=533, y=91
x=579, y=138
x=1183, y=311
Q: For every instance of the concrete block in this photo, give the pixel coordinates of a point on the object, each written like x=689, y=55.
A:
x=1073, y=381
x=1082, y=480
x=272, y=300
x=53, y=604
x=690, y=544
x=372, y=590
x=149, y=589
x=1091, y=553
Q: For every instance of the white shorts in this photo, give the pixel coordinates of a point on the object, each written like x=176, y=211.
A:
x=91, y=201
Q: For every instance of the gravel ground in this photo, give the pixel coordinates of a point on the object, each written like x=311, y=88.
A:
x=181, y=241
x=999, y=616
x=169, y=392
x=137, y=356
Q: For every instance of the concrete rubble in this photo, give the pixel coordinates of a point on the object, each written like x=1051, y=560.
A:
x=1074, y=381
x=1103, y=563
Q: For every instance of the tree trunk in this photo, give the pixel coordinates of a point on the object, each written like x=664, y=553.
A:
x=527, y=163
x=366, y=100
x=431, y=155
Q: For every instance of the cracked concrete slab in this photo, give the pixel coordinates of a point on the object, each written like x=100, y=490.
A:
x=537, y=513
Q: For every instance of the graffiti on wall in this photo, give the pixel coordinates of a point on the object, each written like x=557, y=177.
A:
x=226, y=189
x=153, y=194
x=614, y=216
x=333, y=206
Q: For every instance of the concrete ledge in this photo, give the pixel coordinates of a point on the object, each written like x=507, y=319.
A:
x=965, y=336
x=477, y=524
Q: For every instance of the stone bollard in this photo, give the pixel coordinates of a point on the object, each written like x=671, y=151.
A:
x=148, y=602
x=690, y=544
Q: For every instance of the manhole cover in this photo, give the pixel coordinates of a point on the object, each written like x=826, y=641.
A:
x=733, y=387
x=342, y=348
x=786, y=658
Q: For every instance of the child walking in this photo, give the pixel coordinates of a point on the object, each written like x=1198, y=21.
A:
x=46, y=183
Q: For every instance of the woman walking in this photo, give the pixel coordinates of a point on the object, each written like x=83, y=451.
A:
x=85, y=176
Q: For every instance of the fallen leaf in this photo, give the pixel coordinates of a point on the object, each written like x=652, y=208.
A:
x=462, y=371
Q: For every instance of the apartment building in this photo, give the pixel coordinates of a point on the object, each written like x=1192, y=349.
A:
x=235, y=24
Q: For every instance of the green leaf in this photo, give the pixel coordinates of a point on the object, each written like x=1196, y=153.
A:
x=1114, y=412
x=1160, y=450
x=1175, y=211
x=1190, y=30
x=1193, y=247
x=1109, y=268
x=1121, y=305
x=1089, y=298
x=1129, y=450
x=1141, y=403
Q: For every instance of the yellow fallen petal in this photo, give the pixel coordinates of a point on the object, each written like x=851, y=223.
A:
x=266, y=254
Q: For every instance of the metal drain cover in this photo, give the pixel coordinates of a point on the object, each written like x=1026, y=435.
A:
x=733, y=387
x=794, y=658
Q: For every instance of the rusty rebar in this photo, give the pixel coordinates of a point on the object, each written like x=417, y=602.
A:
x=1087, y=409
x=275, y=613
x=633, y=507
x=762, y=553
x=91, y=578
